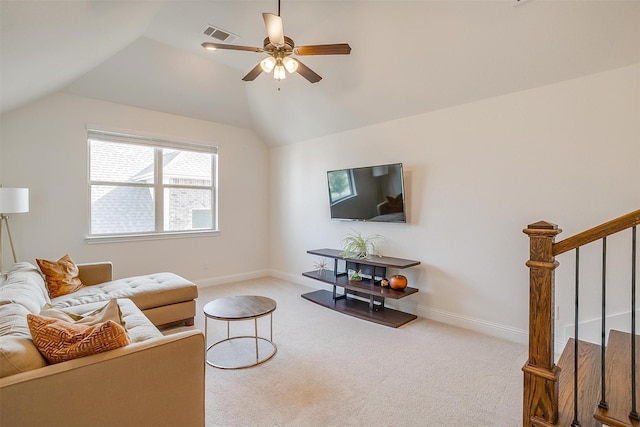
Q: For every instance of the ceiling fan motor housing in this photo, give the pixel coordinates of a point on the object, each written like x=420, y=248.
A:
x=287, y=49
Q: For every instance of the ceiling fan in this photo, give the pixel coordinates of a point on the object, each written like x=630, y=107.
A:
x=279, y=49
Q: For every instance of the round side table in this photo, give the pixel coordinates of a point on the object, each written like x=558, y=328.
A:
x=238, y=308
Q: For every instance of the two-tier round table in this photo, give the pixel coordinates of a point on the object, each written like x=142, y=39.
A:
x=238, y=308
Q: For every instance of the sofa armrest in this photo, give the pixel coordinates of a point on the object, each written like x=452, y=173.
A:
x=383, y=208
x=155, y=382
x=95, y=273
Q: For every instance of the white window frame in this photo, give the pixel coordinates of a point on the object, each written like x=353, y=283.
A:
x=353, y=192
x=158, y=186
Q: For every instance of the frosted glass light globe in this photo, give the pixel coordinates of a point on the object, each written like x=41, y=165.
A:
x=279, y=73
x=290, y=64
x=267, y=64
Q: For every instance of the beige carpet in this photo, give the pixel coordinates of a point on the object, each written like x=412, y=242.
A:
x=336, y=370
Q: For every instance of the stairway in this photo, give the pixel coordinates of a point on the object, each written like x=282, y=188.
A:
x=548, y=389
x=618, y=383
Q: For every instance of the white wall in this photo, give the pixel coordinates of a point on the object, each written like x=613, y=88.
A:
x=44, y=147
x=475, y=175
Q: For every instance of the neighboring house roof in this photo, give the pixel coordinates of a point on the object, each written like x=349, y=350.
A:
x=123, y=210
x=130, y=209
x=179, y=164
x=147, y=173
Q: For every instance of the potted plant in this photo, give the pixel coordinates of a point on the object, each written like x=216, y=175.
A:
x=355, y=245
x=355, y=276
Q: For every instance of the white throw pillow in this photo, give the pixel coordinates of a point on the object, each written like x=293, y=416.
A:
x=110, y=311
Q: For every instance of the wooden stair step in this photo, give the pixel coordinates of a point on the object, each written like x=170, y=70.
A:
x=618, y=381
x=589, y=356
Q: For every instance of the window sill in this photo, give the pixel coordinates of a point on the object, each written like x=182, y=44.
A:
x=152, y=236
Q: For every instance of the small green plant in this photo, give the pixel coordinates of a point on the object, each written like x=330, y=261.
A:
x=355, y=245
x=355, y=275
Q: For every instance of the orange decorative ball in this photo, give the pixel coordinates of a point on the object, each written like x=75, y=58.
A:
x=398, y=282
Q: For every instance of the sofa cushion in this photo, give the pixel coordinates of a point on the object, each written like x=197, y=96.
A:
x=24, y=285
x=61, y=276
x=109, y=311
x=19, y=354
x=150, y=291
x=60, y=341
x=17, y=351
x=13, y=320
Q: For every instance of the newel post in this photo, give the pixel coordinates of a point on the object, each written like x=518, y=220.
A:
x=540, y=371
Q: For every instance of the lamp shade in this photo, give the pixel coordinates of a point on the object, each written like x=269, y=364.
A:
x=380, y=170
x=14, y=200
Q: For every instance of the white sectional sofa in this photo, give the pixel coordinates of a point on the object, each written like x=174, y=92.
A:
x=155, y=380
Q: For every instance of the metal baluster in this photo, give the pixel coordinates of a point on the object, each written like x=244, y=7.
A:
x=603, y=401
x=576, y=422
x=633, y=413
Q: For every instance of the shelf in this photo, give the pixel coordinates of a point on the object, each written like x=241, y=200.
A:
x=364, y=286
x=360, y=309
x=379, y=261
x=350, y=302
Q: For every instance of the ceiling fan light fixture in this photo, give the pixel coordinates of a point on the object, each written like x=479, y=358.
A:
x=290, y=64
x=267, y=64
x=279, y=73
x=278, y=47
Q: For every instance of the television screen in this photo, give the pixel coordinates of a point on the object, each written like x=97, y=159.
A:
x=372, y=193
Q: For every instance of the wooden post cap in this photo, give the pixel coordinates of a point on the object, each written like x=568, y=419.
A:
x=542, y=225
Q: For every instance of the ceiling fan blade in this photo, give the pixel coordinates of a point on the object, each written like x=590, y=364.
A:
x=275, y=31
x=251, y=75
x=308, y=73
x=231, y=47
x=323, y=49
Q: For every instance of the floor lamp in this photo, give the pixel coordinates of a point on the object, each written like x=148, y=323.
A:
x=12, y=200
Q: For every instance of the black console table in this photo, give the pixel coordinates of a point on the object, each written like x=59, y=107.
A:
x=362, y=298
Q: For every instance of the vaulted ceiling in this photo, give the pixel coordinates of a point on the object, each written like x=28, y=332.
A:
x=408, y=57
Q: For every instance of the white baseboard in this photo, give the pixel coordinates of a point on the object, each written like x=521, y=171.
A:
x=509, y=333
x=221, y=280
x=299, y=279
x=498, y=330
x=591, y=330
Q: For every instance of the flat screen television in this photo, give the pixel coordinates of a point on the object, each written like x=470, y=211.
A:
x=371, y=193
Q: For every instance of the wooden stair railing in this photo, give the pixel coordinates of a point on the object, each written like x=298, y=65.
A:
x=541, y=375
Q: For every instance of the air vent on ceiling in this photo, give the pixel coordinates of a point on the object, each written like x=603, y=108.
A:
x=219, y=34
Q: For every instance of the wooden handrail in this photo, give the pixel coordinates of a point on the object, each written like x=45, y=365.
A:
x=541, y=375
x=596, y=233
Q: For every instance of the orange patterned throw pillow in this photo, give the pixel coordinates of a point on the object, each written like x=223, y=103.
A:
x=61, y=276
x=395, y=203
x=59, y=341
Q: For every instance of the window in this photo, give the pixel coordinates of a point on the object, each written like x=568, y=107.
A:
x=142, y=186
x=341, y=185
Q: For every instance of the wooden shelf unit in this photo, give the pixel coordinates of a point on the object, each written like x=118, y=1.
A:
x=365, y=298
